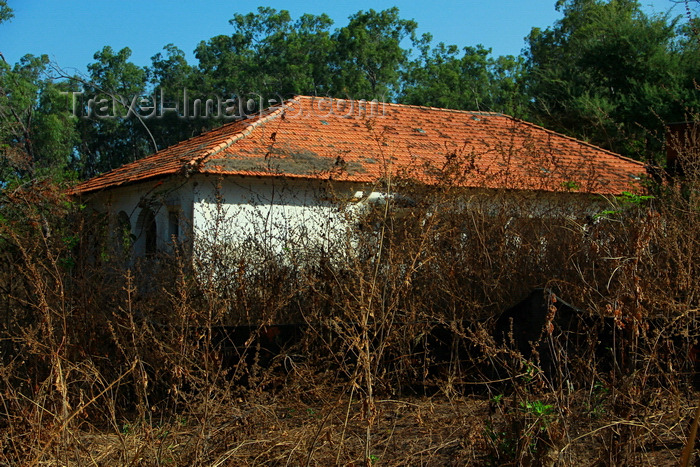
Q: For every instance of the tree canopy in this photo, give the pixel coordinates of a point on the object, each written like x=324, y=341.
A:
x=609, y=73
x=37, y=134
x=469, y=79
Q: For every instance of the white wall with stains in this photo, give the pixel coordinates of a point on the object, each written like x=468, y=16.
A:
x=262, y=216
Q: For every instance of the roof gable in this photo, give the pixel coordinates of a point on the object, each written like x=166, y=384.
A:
x=324, y=138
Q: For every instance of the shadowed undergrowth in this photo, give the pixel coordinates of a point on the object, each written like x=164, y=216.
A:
x=388, y=355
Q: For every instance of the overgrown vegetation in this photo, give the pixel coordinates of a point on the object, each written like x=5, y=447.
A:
x=385, y=352
x=387, y=355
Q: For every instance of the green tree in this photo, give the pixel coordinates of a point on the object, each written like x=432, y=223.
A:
x=267, y=54
x=297, y=58
x=689, y=47
x=369, y=56
x=173, y=80
x=440, y=77
x=6, y=13
x=37, y=135
x=609, y=73
x=112, y=132
x=270, y=54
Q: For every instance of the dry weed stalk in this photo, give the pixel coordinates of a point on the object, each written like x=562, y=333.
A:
x=166, y=357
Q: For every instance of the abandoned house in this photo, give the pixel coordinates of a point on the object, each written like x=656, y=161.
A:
x=286, y=177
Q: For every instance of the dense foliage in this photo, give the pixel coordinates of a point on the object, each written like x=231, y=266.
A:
x=613, y=75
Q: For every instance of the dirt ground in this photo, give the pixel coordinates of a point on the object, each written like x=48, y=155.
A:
x=320, y=429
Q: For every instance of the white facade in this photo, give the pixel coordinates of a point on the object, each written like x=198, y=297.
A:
x=258, y=215
x=146, y=215
x=283, y=217
x=287, y=218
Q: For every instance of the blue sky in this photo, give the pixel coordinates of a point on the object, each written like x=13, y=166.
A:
x=71, y=31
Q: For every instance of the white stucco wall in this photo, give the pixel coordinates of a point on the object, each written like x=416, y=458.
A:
x=257, y=216
x=294, y=220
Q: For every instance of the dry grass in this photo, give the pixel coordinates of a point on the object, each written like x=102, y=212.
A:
x=395, y=362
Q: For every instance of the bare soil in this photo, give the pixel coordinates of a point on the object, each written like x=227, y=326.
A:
x=322, y=427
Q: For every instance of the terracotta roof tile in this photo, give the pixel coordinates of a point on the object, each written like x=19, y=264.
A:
x=322, y=138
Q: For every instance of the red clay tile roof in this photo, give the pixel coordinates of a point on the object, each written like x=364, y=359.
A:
x=323, y=138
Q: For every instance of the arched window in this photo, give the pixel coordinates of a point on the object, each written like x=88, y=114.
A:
x=147, y=233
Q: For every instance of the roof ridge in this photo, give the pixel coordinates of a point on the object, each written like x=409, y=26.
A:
x=413, y=106
x=200, y=158
x=459, y=111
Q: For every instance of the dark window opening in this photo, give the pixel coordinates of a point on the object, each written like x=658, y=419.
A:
x=173, y=225
x=147, y=230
